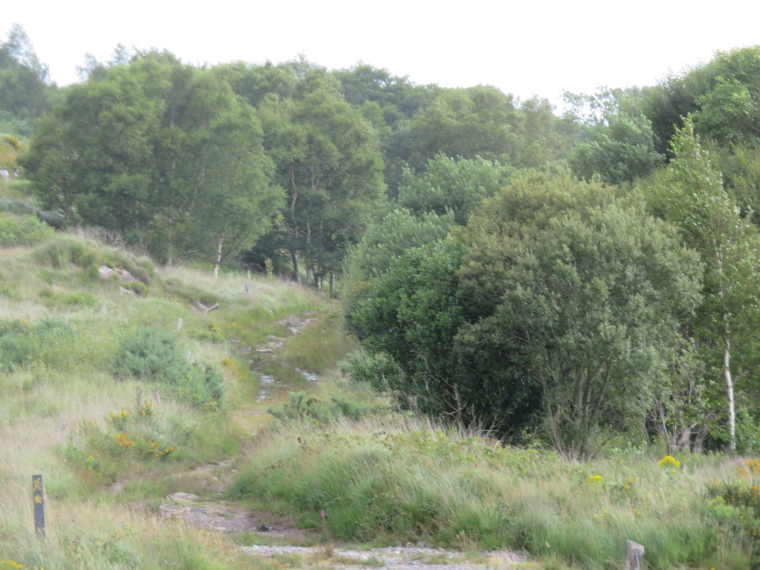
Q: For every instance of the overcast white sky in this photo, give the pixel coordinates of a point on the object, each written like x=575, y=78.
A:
x=522, y=47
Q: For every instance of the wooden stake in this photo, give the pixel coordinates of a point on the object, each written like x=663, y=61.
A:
x=634, y=556
x=38, y=497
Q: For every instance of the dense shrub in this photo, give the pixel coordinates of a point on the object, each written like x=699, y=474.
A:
x=22, y=230
x=377, y=369
x=21, y=341
x=301, y=407
x=201, y=385
x=152, y=354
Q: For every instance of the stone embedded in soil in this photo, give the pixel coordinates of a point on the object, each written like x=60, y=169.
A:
x=184, y=497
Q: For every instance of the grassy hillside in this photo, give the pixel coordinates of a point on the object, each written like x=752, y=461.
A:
x=122, y=391
x=112, y=387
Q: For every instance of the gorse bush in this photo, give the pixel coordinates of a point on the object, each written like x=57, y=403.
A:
x=736, y=504
x=301, y=407
x=377, y=369
x=152, y=354
x=79, y=299
x=201, y=385
x=102, y=454
x=16, y=348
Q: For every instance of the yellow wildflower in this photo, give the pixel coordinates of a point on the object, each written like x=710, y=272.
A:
x=669, y=462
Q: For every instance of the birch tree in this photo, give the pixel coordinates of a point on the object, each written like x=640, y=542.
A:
x=691, y=195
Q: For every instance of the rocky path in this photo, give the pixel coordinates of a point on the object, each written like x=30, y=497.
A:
x=214, y=514
x=396, y=557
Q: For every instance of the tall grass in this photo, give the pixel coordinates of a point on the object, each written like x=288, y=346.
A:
x=320, y=345
x=95, y=535
x=59, y=400
x=403, y=481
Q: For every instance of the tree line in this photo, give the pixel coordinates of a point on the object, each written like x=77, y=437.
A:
x=578, y=277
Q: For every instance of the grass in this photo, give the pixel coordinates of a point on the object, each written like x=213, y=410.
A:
x=406, y=481
x=381, y=478
x=64, y=413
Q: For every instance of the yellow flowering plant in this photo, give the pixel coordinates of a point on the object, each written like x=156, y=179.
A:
x=669, y=462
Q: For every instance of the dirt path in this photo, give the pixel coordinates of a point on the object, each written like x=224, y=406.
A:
x=214, y=514
x=211, y=512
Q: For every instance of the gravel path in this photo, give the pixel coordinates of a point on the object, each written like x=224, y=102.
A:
x=398, y=558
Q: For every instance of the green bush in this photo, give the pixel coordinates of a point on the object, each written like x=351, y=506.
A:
x=736, y=504
x=137, y=287
x=101, y=455
x=15, y=350
x=21, y=342
x=301, y=407
x=376, y=369
x=81, y=299
x=16, y=207
x=151, y=354
x=201, y=385
x=22, y=230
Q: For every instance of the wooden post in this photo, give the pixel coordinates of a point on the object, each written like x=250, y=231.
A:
x=634, y=556
x=38, y=496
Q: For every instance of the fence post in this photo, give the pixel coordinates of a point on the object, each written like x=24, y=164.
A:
x=38, y=496
x=634, y=556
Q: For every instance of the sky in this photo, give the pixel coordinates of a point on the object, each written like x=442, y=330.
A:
x=521, y=47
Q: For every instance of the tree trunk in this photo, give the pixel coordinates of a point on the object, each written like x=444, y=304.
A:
x=729, y=386
x=308, y=254
x=699, y=440
x=218, y=261
x=295, y=266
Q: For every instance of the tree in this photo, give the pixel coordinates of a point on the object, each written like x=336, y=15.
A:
x=232, y=197
x=328, y=161
x=582, y=303
x=398, y=231
x=162, y=153
x=479, y=121
x=93, y=156
x=25, y=94
x=452, y=185
x=690, y=194
x=555, y=302
x=619, y=151
x=729, y=111
x=411, y=313
x=442, y=196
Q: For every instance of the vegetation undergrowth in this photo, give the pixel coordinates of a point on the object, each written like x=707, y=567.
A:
x=396, y=480
x=110, y=394
x=115, y=376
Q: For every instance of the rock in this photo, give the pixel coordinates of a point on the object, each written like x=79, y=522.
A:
x=105, y=272
x=184, y=497
x=127, y=277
